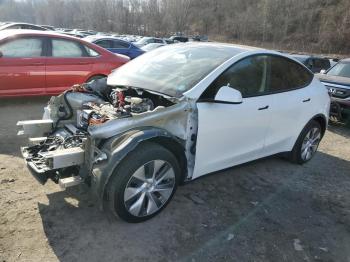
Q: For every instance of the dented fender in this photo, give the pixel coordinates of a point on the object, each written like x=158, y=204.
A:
x=116, y=149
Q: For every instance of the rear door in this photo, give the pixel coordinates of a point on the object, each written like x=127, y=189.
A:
x=68, y=63
x=289, y=85
x=121, y=47
x=105, y=43
x=22, y=66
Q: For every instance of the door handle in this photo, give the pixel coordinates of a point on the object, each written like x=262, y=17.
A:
x=263, y=108
x=307, y=100
x=83, y=63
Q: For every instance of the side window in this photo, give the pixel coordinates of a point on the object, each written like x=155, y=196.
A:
x=248, y=76
x=14, y=27
x=66, y=48
x=91, y=52
x=321, y=63
x=105, y=43
x=22, y=47
x=120, y=44
x=286, y=75
x=158, y=41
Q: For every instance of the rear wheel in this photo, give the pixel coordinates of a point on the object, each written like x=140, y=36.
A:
x=307, y=143
x=144, y=183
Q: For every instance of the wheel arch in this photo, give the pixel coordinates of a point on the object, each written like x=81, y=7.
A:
x=94, y=76
x=322, y=120
x=118, y=147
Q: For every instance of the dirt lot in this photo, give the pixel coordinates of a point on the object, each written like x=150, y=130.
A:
x=267, y=210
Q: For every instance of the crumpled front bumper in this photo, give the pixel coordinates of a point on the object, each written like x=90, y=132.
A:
x=44, y=164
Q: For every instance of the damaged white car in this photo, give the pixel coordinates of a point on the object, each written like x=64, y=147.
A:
x=173, y=115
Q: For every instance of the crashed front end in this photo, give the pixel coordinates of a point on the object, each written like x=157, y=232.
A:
x=72, y=138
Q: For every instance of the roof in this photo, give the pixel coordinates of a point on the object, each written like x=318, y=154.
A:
x=98, y=37
x=8, y=24
x=13, y=32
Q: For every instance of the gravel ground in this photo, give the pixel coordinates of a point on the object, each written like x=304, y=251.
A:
x=267, y=210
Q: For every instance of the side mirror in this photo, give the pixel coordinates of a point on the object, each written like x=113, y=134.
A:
x=229, y=95
x=1, y=54
x=323, y=71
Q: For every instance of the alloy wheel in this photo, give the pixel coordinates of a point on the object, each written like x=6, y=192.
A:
x=310, y=143
x=149, y=188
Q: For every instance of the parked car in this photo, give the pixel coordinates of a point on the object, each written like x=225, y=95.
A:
x=116, y=45
x=200, y=38
x=173, y=115
x=148, y=40
x=49, y=27
x=315, y=64
x=8, y=26
x=179, y=38
x=168, y=41
x=337, y=81
x=151, y=47
x=42, y=62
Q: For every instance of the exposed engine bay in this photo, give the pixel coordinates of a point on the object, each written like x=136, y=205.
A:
x=62, y=141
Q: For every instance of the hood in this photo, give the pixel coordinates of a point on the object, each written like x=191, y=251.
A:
x=340, y=80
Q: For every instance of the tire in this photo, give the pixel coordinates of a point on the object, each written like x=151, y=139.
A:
x=132, y=194
x=303, y=150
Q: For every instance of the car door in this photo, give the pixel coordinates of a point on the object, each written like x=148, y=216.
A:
x=105, y=43
x=67, y=64
x=22, y=66
x=121, y=47
x=231, y=134
x=292, y=105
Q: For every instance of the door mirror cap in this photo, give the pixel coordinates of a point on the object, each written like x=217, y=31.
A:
x=323, y=71
x=229, y=95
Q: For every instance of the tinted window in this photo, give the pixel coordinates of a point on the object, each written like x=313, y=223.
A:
x=120, y=44
x=65, y=48
x=321, y=63
x=14, y=27
x=286, y=75
x=23, y=47
x=158, y=41
x=248, y=76
x=105, y=43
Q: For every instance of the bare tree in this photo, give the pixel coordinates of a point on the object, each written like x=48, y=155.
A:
x=309, y=25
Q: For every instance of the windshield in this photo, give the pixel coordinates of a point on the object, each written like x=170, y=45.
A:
x=143, y=40
x=173, y=69
x=340, y=69
x=150, y=47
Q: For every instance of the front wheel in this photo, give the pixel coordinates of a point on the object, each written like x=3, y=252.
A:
x=143, y=183
x=307, y=143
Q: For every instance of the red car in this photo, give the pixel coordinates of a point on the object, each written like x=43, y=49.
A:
x=46, y=63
